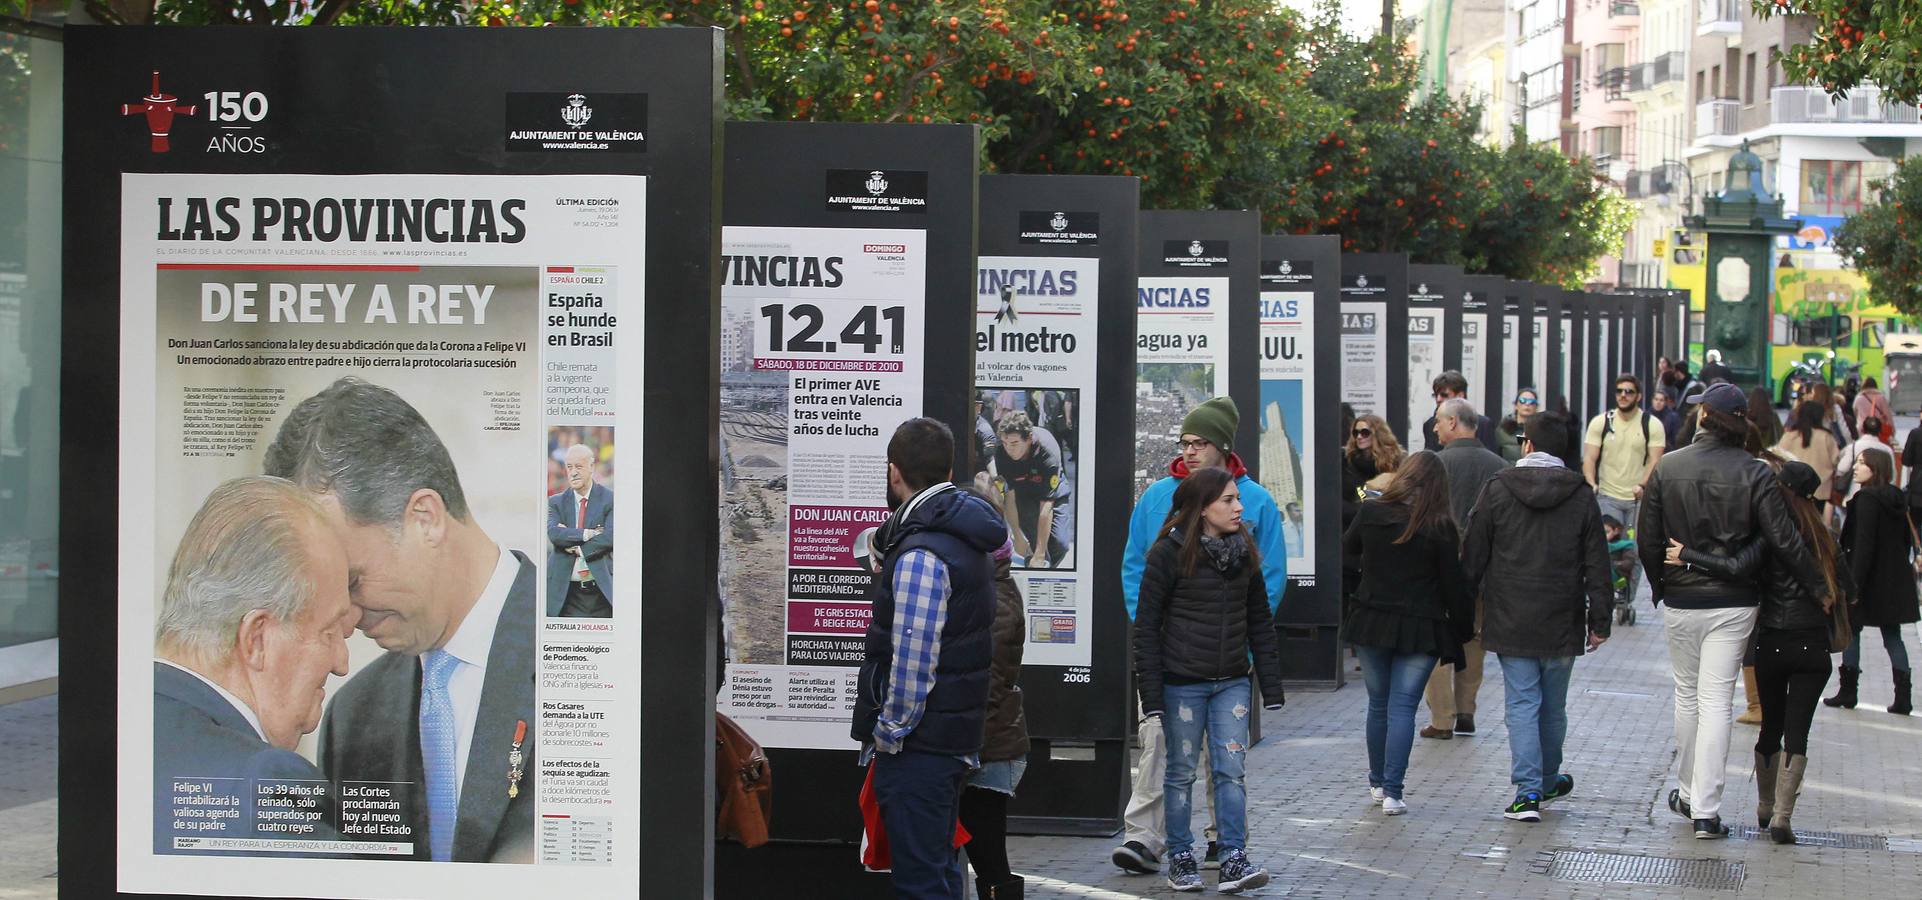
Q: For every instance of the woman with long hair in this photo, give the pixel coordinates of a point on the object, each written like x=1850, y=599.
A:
x=1411, y=609
x=1203, y=615
x=1877, y=539
x=1809, y=440
x=1372, y=455
x=1791, y=644
x=1761, y=414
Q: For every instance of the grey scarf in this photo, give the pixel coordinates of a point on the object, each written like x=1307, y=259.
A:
x=1227, y=552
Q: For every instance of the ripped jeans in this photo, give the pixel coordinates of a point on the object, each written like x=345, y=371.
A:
x=1220, y=709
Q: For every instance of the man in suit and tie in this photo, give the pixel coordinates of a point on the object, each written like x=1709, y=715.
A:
x=452, y=701
x=580, y=526
x=254, y=616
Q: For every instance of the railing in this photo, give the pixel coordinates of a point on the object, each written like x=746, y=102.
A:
x=1796, y=104
x=1718, y=117
x=1718, y=16
x=1671, y=66
x=1614, y=81
x=1624, y=8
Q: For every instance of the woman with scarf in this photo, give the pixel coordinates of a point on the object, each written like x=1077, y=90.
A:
x=1203, y=614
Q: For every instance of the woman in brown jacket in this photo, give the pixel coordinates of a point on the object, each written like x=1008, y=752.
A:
x=1004, y=746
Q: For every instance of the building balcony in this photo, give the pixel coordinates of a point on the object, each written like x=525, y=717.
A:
x=1614, y=82
x=1795, y=104
x=1718, y=17
x=1718, y=118
x=1667, y=68
x=1620, y=9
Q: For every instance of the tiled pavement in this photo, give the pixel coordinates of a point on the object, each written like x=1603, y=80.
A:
x=29, y=760
x=1312, y=826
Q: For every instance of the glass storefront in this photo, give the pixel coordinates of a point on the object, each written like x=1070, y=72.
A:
x=30, y=124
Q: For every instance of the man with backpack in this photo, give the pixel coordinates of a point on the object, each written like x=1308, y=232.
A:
x=1618, y=454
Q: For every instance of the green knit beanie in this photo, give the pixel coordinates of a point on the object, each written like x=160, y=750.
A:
x=1214, y=420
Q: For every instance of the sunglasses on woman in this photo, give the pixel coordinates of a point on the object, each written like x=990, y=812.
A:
x=1527, y=401
x=1364, y=432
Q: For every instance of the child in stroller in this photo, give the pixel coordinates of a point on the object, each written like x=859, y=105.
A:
x=1621, y=556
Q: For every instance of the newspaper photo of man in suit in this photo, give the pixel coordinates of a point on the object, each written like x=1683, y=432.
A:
x=439, y=713
x=254, y=617
x=580, y=528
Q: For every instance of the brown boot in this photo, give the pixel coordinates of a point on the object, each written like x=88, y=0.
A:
x=1765, y=766
x=1753, y=716
x=1788, y=783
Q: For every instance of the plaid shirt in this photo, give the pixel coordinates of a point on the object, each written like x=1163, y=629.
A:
x=920, y=612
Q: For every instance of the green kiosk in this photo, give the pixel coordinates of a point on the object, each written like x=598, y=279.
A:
x=1741, y=223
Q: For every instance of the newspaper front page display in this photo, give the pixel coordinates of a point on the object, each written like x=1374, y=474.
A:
x=1181, y=352
x=1425, y=317
x=377, y=631
x=1364, y=360
x=821, y=360
x=1288, y=434
x=1035, y=327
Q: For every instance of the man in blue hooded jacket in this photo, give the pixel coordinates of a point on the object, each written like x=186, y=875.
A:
x=1207, y=439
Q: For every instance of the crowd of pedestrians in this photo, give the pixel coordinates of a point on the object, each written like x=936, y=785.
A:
x=1765, y=548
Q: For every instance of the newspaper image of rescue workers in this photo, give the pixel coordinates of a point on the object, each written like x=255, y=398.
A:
x=344, y=636
x=580, y=521
x=1026, y=455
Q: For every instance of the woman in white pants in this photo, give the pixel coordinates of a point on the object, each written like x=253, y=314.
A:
x=1712, y=493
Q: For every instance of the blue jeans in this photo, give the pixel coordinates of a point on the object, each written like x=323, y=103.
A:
x=1537, y=689
x=1395, y=681
x=1219, y=708
x=1891, y=641
x=920, y=799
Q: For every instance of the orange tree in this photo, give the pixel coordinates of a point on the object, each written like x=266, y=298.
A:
x=1856, y=42
x=1882, y=242
x=1210, y=103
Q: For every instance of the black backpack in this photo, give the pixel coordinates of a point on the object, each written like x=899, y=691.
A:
x=1608, y=428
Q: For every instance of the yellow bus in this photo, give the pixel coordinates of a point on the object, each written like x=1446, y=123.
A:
x=1819, y=312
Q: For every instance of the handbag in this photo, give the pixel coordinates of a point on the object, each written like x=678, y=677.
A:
x=1915, y=547
x=745, y=784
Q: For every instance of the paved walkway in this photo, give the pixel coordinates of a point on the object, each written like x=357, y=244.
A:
x=29, y=760
x=1312, y=826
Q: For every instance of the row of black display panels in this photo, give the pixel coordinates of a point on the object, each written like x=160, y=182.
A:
x=850, y=177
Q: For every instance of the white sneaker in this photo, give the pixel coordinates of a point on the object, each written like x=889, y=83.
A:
x=1375, y=794
x=1393, y=806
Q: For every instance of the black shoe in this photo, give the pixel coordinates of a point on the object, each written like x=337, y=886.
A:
x=1464, y=724
x=1134, y=857
x=1903, y=684
x=1011, y=889
x=1563, y=786
x=1526, y=808
x=1238, y=874
x=1844, y=697
x=1677, y=805
x=1212, y=859
x=1710, y=829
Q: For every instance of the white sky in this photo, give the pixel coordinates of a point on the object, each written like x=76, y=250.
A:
x=1358, y=16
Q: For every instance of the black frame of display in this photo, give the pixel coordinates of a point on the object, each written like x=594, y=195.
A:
x=776, y=175
x=340, y=111
x=1548, y=304
x=1574, y=319
x=1494, y=346
x=1077, y=779
x=1392, y=271
x=1310, y=617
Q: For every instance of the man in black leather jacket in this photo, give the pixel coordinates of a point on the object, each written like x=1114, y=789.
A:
x=1715, y=497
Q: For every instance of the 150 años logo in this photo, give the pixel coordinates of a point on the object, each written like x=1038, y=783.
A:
x=236, y=115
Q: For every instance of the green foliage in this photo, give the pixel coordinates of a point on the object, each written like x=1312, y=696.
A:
x=1881, y=243
x=1232, y=104
x=1856, y=42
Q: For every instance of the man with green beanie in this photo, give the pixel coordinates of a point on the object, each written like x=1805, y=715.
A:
x=1207, y=439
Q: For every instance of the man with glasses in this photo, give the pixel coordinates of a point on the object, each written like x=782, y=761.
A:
x=1621, y=449
x=1451, y=385
x=1207, y=439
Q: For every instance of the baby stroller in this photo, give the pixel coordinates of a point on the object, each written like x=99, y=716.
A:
x=1621, y=557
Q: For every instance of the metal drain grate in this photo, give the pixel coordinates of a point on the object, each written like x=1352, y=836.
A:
x=1817, y=838
x=1590, y=867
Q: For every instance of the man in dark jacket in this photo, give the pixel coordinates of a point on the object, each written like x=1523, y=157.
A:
x=1535, y=547
x=923, y=685
x=1451, y=691
x=1715, y=498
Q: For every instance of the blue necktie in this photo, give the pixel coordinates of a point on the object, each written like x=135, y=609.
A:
x=437, y=747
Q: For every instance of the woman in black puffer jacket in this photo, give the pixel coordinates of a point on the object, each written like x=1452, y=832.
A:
x=1411, y=608
x=1203, y=614
x=1877, y=539
x=1791, y=644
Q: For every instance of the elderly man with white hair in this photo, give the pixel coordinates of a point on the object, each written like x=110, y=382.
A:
x=580, y=528
x=255, y=615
